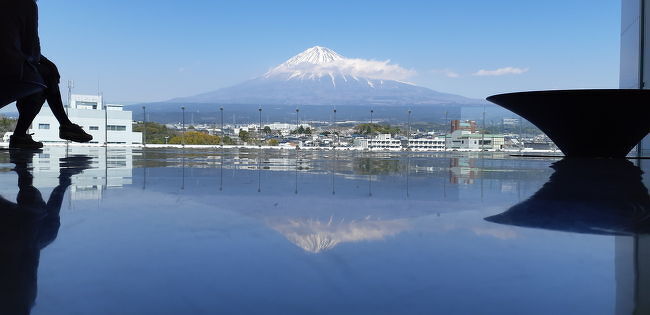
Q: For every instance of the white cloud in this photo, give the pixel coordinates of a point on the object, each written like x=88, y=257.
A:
x=347, y=66
x=448, y=73
x=500, y=71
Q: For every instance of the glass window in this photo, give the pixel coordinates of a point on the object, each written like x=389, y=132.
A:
x=116, y=128
x=43, y=126
x=94, y=127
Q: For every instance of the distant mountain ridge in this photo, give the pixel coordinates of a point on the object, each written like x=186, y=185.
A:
x=320, y=76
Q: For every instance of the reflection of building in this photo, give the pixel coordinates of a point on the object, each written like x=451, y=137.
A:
x=463, y=171
x=109, y=169
x=633, y=274
x=635, y=52
x=86, y=111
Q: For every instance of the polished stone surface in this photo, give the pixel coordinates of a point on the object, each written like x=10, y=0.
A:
x=297, y=232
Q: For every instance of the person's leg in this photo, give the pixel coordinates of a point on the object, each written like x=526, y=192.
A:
x=52, y=78
x=67, y=129
x=28, y=108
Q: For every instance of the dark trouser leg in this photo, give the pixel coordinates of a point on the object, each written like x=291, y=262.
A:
x=28, y=108
x=53, y=94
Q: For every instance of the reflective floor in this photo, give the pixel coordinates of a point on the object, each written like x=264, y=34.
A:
x=126, y=231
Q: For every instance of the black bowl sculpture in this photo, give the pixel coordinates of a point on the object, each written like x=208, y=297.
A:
x=585, y=123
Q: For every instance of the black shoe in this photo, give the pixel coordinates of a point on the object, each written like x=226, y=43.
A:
x=24, y=142
x=74, y=133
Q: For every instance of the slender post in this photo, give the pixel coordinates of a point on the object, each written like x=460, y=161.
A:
x=105, y=119
x=483, y=133
x=144, y=130
x=334, y=136
x=260, y=129
x=183, y=127
x=297, y=121
x=222, y=131
x=408, y=137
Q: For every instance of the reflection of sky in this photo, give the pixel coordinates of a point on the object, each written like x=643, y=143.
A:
x=372, y=247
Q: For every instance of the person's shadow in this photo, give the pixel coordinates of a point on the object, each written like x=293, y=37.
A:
x=26, y=227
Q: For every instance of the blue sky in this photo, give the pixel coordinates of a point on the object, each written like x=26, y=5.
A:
x=143, y=50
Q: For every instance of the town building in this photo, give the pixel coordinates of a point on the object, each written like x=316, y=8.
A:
x=467, y=125
x=427, y=144
x=107, y=124
x=466, y=140
x=382, y=141
x=388, y=142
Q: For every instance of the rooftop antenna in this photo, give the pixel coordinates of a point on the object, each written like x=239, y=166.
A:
x=70, y=87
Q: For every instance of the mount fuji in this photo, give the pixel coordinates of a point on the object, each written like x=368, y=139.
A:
x=320, y=76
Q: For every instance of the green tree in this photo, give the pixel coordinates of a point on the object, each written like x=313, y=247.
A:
x=195, y=137
x=156, y=132
x=273, y=142
x=7, y=124
x=267, y=130
x=370, y=129
x=228, y=140
x=244, y=135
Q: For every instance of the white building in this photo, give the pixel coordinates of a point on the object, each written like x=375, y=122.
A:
x=427, y=144
x=86, y=111
x=387, y=142
x=466, y=140
x=382, y=141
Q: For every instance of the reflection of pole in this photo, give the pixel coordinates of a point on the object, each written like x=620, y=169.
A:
x=221, y=171
x=334, y=170
x=144, y=169
x=183, y=127
x=183, y=171
x=259, y=171
x=408, y=170
x=296, y=190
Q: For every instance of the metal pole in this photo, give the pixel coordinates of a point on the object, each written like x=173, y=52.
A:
x=105, y=120
x=483, y=133
x=183, y=128
x=297, y=121
x=260, y=129
x=408, y=137
x=222, y=131
x=335, y=137
x=144, y=130
x=371, y=112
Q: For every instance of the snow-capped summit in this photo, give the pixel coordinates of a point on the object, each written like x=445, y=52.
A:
x=321, y=76
x=312, y=63
x=314, y=55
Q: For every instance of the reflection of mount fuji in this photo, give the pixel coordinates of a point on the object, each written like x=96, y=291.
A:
x=317, y=236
